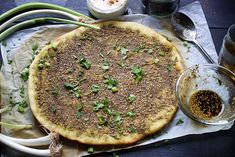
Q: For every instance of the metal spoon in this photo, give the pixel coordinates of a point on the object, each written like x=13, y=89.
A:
x=186, y=30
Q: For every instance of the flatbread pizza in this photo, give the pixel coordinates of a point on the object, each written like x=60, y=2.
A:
x=109, y=86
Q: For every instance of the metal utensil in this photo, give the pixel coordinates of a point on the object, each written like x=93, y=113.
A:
x=186, y=30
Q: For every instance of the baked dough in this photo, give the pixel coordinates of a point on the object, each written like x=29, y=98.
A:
x=154, y=104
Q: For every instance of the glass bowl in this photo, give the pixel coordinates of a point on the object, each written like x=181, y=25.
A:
x=210, y=77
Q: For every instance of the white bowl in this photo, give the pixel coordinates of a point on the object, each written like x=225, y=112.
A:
x=99, y=10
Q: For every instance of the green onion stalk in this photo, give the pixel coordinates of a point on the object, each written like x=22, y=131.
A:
x=27, y=23
x=39, y=5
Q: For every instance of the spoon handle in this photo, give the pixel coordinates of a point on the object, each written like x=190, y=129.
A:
x=204, y=53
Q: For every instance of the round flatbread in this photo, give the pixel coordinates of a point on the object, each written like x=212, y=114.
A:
x=110, y=86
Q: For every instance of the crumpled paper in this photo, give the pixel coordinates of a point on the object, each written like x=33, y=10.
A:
x=19, y=50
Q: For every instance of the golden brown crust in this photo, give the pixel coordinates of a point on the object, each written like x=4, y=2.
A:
x=155, y=123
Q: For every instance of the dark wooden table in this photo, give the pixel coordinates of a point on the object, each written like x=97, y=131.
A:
x=220, y=14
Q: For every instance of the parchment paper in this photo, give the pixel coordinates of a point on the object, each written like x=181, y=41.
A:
x=20, y=46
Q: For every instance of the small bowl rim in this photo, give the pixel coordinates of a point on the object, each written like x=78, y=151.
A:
x=191, y=116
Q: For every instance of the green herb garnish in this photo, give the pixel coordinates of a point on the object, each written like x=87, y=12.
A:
x=180, y=121
x=169, y=67
x=117, y=118
x=86, y=64
x=101, y=120
x=22, y=105
x=162, y=53
x=130, y=114
x=25, y=74
x=137, y=72
x=100, y=104
x=110, y=82
x=95, y=88
x=131, y=98
x=21, y=109
x=105, y=66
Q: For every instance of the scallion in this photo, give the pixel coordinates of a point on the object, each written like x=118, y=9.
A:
x=27, y=23
x=39, y=5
